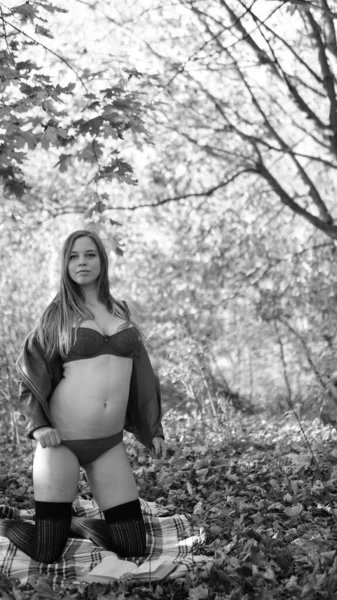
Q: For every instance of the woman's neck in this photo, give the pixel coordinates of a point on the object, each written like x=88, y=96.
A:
x=90, y=297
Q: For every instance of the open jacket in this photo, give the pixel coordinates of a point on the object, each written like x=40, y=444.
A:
x=40, y=376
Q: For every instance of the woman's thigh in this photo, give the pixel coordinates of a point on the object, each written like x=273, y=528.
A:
x=55, y=474
x=111, y=479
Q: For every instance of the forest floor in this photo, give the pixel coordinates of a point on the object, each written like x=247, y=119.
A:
x=264, y=490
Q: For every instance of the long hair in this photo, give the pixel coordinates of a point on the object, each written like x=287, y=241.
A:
x=68, y=309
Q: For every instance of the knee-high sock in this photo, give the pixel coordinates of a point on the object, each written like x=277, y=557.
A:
x=44, y=541
x=126, y=529
x=123, y=530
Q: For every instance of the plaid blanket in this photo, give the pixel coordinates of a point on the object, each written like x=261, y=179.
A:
x=168, y=537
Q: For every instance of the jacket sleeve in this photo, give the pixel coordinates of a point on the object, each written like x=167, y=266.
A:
x=32, y=410
x=35, y=385
x=144, y=411
x=159, y=431
x=143, y=417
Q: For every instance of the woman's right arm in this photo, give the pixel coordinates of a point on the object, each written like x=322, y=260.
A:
x=36, y=375
x=37, y=424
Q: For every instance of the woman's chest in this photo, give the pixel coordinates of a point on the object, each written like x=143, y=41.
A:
x=103, y=321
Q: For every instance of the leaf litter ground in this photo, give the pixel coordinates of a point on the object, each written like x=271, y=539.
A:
x=267, y=501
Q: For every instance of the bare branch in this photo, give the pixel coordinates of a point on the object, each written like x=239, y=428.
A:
x=328, y=79
x=331, y=41
x=299, y=100
x=327, y=228
x=217, y=152
x=286, y=44
x=4, y=28
x=261, y=54
x=205, y=193
x=275, y=65
x=291, y=404
x=306, y=349
x=302, y=172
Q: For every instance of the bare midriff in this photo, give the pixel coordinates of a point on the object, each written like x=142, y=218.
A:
x=91, y=399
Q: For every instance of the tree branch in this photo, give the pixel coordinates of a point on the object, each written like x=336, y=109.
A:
x=331, y=41
x=205, y=193
x=325, y=214
x=220, y=152
x=261, y=54
x=328, y=229
x=328, y=78
x=287, y=45
x=299, y=100
x=306, y=349
x=275, y=65
x=4, y=28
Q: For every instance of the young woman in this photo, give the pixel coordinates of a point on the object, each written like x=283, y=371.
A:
x=85, y=376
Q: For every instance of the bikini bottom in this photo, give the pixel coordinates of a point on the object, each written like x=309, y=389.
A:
x=88, y=450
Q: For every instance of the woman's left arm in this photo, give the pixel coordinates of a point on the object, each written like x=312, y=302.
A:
x=158, y=444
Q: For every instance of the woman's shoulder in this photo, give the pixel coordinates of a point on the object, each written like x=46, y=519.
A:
x=32, y=342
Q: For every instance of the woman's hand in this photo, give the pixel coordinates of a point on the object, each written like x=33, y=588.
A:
x=159, y=447
x=47, y=436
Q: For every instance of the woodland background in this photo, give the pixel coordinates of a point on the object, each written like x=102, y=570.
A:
x=199, y=138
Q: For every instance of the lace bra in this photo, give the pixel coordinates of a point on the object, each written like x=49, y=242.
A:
x=90, y=343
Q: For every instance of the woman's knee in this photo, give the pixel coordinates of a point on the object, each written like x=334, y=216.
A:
x=55, y=474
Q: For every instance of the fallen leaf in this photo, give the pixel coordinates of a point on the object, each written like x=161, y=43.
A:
x=293, y=511
x=198, y=593
x=198, y=509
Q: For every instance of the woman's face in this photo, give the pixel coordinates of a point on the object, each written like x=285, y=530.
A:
x=84, y=263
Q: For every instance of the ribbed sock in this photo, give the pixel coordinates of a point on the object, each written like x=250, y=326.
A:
x=45, y=541
x=122, y=531
x=126, y=529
